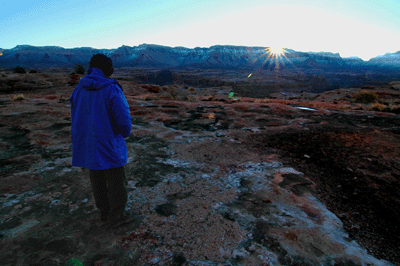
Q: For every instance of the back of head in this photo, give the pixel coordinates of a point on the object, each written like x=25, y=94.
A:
x=103, y=63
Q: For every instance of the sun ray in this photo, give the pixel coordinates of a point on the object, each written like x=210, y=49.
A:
x=276, y=51
x=275, y=58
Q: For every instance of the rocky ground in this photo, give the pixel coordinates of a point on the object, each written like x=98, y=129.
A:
x=295, y=179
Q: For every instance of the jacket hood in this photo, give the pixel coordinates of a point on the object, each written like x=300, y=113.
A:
x=95, y=80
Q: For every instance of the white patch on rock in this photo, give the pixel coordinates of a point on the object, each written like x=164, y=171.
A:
x=14, y=232
x=63, y=161
x=10, y=203
x=288, y=170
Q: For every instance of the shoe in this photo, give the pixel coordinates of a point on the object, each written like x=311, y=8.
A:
x=99, y=218
x=125, y=219
x=104, y=217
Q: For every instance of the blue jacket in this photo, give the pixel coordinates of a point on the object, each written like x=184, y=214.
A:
x=100, y=122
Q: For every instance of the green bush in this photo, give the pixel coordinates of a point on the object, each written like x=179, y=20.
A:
x=79, y=69
x=33, y=71
x=366, y=97
x=20, y=70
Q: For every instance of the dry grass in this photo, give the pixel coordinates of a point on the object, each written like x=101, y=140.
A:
x=148, y=97
x=395, y=109
x=63, y=98
x=18, y=97
x=344, y=107
x=378, y=107
x=192, y=99
x=261, y=101
x=360, y=107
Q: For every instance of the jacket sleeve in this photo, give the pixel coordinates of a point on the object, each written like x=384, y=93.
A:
x=120, y=111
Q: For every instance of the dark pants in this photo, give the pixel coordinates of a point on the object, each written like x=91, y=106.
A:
x=109, y=190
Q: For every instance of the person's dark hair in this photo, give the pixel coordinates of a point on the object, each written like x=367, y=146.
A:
x=103, y=63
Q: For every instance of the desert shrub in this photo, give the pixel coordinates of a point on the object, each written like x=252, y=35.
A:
x=149, y=97
x=344, y=107
x=33, y=71
x=192, y=99
x=366, y=97
x=3, y=75
x=79, y=69
x=378, y=107
x=360, y=107
x=18, y=97
x=395, y=109
x=62, y=98
x=20, y=70
x=261, y=101
x=209, y=99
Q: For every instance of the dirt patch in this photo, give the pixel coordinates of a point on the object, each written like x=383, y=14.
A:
x=356, y=173
x=212, y=154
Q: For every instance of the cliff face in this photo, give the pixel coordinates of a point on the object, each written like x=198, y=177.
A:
x=163, y=56
x=147, y=55
x=29, y=56
x=389, y=59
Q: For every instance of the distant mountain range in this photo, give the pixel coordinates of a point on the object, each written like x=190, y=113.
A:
x=233, y=57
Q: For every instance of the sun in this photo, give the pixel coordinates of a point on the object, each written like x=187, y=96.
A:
x=274, y=57
x=276, y=50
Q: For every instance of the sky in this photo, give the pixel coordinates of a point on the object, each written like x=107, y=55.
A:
x=363, y=28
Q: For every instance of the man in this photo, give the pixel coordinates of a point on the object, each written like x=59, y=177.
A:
x=100, y=122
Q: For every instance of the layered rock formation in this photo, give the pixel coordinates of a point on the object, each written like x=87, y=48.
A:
x=389, y=59
x=147, y=55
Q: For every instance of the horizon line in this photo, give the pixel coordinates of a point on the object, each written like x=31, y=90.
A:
x=179, y=46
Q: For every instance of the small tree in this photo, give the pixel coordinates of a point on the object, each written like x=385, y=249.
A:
x=20, y=70
x=79, y=69
x=366, y=97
